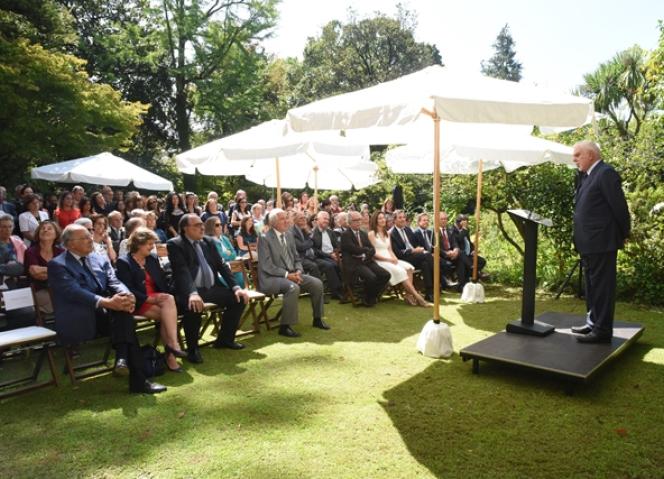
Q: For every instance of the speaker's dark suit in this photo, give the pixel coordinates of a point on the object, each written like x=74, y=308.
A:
x=184, y=263
x=421, y=261
x=601, y=225
x=357, y=258
x=76, y=292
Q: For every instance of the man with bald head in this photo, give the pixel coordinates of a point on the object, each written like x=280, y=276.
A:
x=88, y=299
x=601, y=227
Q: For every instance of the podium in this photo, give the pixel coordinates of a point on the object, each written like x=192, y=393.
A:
x=528, y=223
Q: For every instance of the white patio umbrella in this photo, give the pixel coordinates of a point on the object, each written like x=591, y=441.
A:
x=442, y=95
x=102, y=169
x=266, y=156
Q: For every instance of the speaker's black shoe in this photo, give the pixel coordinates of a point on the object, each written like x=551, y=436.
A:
x=233, y=345
x=148, y=388
x=594, y=338
x=585, y=329
x=121, y=368
x=320, y=324
x=194, y=356
x=288, y=332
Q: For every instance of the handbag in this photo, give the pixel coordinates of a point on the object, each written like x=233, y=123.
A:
x=154, y=362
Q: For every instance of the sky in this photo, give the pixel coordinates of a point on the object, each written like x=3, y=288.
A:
x=557, y=41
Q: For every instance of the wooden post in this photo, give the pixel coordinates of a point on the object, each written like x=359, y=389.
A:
x=478, y=205
x=276, y=165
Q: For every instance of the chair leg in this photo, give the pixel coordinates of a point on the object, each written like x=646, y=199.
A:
x=51, y=365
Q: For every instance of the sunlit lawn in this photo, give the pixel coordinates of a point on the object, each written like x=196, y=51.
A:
x=356, y=401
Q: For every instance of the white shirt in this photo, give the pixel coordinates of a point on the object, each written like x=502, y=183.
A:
x=592, y=167
x=28, y=222
x=326, y=242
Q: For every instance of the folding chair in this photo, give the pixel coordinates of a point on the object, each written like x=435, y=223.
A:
x=256, y=298
x=262, y=316
x=23, y=340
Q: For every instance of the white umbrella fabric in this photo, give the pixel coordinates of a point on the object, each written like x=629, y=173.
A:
x=463, y=145
x=442, y=95
x=102, y=169
x=256, y=152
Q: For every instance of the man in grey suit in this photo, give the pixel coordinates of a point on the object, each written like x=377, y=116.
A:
x=280, y=272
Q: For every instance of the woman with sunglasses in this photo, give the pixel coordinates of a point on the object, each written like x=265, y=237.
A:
x=215, y=229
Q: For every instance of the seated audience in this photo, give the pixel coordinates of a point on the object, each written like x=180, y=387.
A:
x=462, y=236
x=99, y=205
x=402, y=240
x=102, y=243
x=85, y=207
x=240, y=212
x=450, y=251
x=151, y=224
x=130, y=226
x=6, y=206
x=212, y=209
x=340, y=224
x=246, y=236
x=88, y=297
x=449, y=259
x=304, y=245
x=196, y=265
x=66, y=212
x=258, y=218
x=281, y=272
x=116, y=231
x=303, y=203
x=191, y=203
x=31, y=217
x=44, y=248
x=326, y=251
x=358, y=261
x=141, y=272
x=400, y=271
x=78, y=192
x=287, y=201
x=170, y=217
x=12, y=253
x=215, y=229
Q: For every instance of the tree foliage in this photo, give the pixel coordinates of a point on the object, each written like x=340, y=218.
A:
x=503, y=63
x=360, y=53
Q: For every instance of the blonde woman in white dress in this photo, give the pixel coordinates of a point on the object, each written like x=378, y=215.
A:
x=401, y=272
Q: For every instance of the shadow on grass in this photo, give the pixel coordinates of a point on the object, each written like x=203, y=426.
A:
x=509, y=422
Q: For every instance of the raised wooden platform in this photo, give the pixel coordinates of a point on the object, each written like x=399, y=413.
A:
x=558, y=353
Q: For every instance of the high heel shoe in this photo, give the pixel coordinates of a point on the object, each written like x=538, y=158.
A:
x=178, y=353
x=175, y=370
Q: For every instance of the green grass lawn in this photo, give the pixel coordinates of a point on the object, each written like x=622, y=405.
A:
x=356, y=402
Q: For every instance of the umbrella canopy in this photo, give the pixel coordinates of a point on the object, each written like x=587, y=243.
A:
x=341, y=163
x=463, y=145
x=451, y=96
x=102, y=169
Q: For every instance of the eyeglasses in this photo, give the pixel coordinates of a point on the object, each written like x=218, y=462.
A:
x=217, y=225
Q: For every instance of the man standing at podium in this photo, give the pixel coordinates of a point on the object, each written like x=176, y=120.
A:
x=601, y=226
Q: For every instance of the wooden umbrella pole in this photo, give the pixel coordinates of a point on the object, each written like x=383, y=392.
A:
x=478, y=205
x=316, y=184
x=436, y=218
x=276, y=165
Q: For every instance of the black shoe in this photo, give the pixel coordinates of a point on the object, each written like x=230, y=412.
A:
x=428, y=297
x=121, y=368
x=320, y=324
x=585, y=329
x=594, y=338
x=288, y=332
x=233, y=345
x=194, y=356
x=148, y=388
x=178, y=353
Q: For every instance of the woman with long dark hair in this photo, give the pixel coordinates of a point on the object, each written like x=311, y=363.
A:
x=246, y=236
x=85, y=207
x=170, y=217
x=43, y=249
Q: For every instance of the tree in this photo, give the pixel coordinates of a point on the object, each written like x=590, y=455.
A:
x=361, y=53
x=503, y=63
x=621, y=90
x=51, y=110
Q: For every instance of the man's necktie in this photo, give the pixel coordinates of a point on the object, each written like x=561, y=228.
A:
x=207, y=276
x=359, y=240
x=427, y=243
x=287, y=256
x=86, y=267
x=446, y=241
x=405, y=238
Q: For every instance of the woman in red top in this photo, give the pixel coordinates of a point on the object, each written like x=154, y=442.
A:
x=141, y=272
x=66, y=213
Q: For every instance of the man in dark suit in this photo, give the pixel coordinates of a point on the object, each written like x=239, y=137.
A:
x=601, y=226
x=450, y=251
x=87, y=295
x=326, y=247
x=357, y=256
x=402, y=239
x=280, y=272
x=196, y=266
x=449, y=254
x=115, y=230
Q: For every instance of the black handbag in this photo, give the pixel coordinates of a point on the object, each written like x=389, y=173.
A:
x=154, y=362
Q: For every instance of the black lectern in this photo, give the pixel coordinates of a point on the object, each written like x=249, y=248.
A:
x=527, y=222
